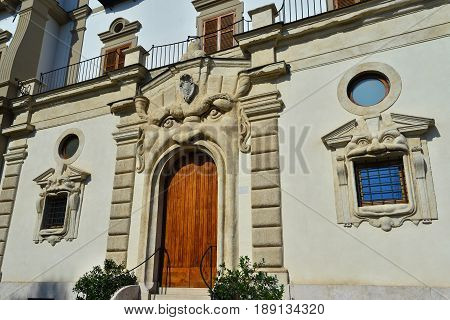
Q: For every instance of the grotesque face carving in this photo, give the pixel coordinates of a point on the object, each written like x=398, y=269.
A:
x=210, y=119
x=367, y=144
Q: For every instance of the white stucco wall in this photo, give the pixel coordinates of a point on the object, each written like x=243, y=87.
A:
x=55, y=46
x=26, y=261
x=317, y=250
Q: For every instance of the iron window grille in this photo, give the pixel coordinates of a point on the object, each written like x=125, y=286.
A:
x=381, y=182
x=55, y=211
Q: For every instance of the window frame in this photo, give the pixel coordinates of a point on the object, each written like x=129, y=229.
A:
x=58, y=229
x=219, y=31
x=379, y=163
x=118, y=50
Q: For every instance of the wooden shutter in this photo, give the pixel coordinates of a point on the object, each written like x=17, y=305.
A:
x=226, y=33
x=211, y=36
x=344, y=3
x=110, y=60
x=115, y=58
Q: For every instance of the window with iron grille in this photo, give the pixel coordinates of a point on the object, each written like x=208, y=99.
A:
x=54, y=211
x=381, y=182
x=218, y=33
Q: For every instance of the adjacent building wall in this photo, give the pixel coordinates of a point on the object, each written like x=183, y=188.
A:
x=317, y=250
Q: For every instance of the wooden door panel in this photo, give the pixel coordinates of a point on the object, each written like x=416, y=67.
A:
x=190, y=219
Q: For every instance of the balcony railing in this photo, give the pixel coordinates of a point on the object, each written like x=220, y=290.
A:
x=169, y=54
x=294, y=10
x=76, y=73
x=165, y=55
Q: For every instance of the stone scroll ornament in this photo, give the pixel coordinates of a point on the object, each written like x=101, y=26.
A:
x=195, y=115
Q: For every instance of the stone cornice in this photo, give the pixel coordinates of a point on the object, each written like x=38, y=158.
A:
x=268, y=72
x=129, y=28
x=364, y=13
x=201, y=5
x=257, y=36
x=80, y=13
x=23, y=129
x=200, y=62
x=109, y=80
x=262, y=106
x=122, y=106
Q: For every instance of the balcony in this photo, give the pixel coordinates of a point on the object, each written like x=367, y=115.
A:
x=162, y=56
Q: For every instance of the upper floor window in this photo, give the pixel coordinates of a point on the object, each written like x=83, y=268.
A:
x=55, y=211
x=115, y=58
x=218, y=33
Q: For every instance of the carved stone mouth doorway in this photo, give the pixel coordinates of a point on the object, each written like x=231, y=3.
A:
x=189, y=221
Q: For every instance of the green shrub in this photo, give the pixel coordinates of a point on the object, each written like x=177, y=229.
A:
x=101, y=284
x=246, y=283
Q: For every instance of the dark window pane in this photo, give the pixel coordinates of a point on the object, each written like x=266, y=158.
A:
x=380, y=182
x=69, y=146
x=54, y=211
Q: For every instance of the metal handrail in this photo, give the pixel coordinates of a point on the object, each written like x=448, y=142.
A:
x=75, y=73
x=148, y=258
x=295, y=10
x=210, y=267
x=165, y=55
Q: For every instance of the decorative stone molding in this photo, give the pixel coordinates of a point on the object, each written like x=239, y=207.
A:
x=15, y=157
x=119, y=29
x=64, y=180
x=384, y=137
x=395, y=83
x=123, y=187
x=191, y=106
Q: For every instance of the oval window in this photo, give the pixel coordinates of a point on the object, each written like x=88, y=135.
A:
x=368, y=89
x=69, y=146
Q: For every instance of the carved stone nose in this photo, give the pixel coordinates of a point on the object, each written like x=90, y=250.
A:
x=376, y=147
x=187, y=135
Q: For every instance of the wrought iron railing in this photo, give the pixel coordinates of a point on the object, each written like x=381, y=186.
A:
x=78, y=72
x=211, y=276
x=294, y=10
x=168, y=266
x=166, y=55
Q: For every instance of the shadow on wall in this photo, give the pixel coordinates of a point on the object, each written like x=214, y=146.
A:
x=37, y=291
x=123, y=6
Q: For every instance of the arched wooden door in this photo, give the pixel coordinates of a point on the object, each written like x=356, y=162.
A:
x=190, y=221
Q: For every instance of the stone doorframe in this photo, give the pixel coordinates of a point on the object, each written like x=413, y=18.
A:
x=152, y=209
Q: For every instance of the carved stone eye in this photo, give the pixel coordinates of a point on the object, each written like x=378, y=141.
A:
x=168, y=123
x=363, y=142
x=388, y=139
x=214, y=114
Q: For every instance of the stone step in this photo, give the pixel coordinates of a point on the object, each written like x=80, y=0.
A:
x=182, y=294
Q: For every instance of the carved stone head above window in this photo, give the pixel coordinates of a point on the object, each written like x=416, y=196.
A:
x=382, y=171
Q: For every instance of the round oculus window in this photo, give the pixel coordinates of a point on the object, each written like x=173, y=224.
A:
x=118, y=27
x=368, y=89
x=69, y=146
